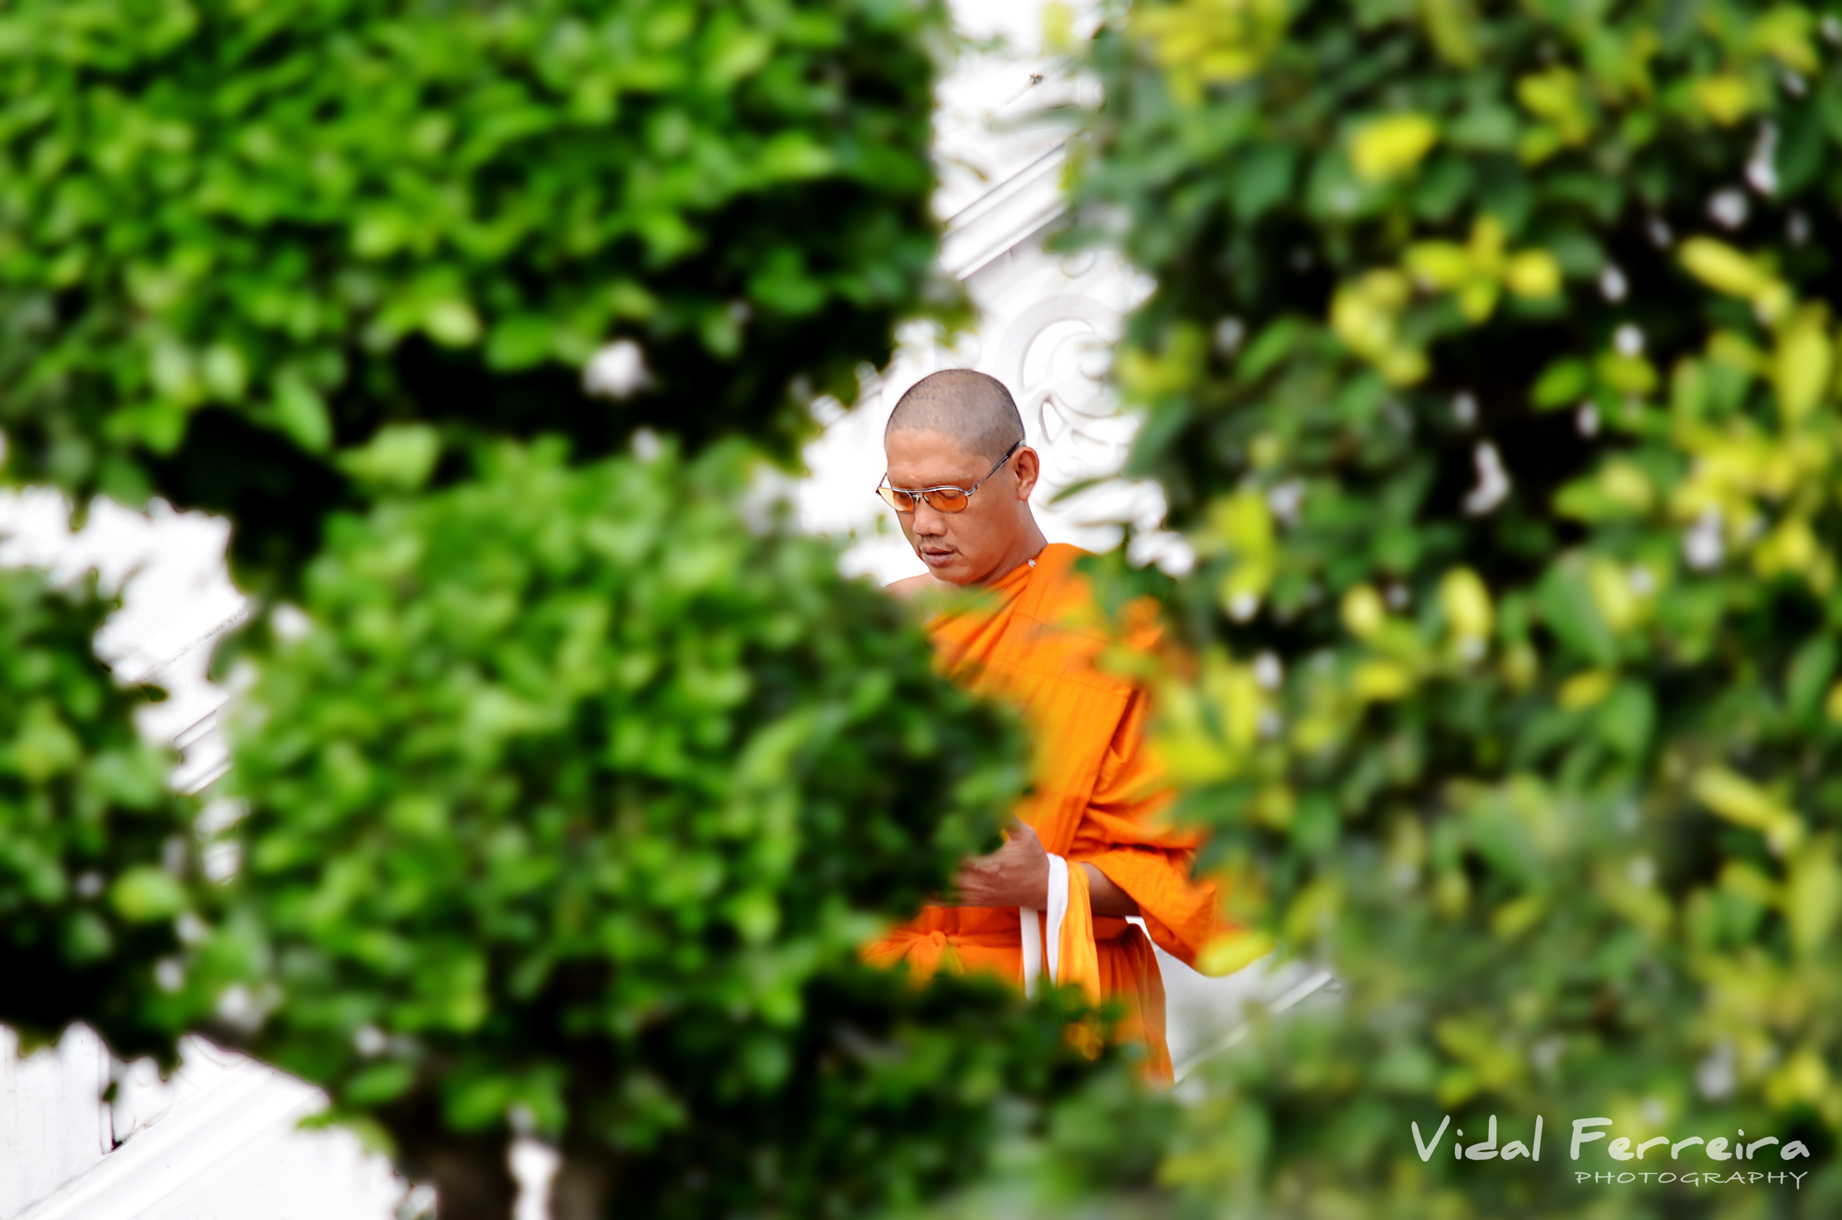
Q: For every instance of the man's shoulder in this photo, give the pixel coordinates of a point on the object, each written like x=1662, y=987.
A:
x=1062, y=599
x=909, y=586
x=1068, y=607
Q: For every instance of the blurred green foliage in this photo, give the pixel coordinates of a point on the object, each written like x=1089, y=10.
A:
x=1098, y=1155
x=572, y=796
x=99, y=870
x=1492, y=371
x=895, y=1095
x=572, y=782
x=237, y=238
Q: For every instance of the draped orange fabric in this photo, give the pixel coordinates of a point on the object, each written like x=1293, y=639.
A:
x=1095, y=795
x=1075, y=943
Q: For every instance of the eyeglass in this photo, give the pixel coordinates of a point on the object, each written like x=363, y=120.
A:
x=940, y=499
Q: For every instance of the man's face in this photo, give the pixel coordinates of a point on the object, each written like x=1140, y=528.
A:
x=964, y=547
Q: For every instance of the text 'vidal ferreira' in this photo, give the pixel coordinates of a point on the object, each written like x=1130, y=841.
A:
x=1718, y=1148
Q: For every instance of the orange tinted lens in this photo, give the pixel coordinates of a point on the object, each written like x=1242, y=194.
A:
x=949, y=500
x=901, y=501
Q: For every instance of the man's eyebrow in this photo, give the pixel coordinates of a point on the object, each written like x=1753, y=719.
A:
x=960, y=481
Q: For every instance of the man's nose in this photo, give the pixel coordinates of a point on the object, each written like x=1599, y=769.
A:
x=929, y=520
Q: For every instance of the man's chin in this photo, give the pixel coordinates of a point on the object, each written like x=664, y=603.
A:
x=952, y=568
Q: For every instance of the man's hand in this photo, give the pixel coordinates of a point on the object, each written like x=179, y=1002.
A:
x=1016, y=875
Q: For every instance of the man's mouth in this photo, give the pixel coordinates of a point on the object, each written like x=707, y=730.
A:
x=936, y=557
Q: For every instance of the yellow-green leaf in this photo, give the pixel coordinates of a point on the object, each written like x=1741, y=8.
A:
x=1784, y=34
x=1802, y=365
x=1516, y=916
x=1380, y=681
x=1438, y=264
x=1466, y=603
x=1388, y=147
x=1744, y=803
x=1058, y=26
x=1813, y=895
x=1233, y=951
x=1725, y=97
x=1363, y=611
x=1583, y=690
x=1723, y=268
x=1533, y=273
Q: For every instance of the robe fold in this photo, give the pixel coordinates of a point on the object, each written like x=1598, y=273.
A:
x=1096, y=791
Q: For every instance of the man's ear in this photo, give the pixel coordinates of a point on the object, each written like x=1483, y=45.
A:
x=1029, y=469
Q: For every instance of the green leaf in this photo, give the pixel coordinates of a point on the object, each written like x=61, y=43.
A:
x=1566, y=603
x=1562, y=384
x=520, y=342
x=400, y=457
x=794, y=156
x=452, y=322
x=1270, y=346
x=43, y=746
x=87, y=939
x=1627, y=719
x=740, y=52
x=1264, y=180
x=146, y=893
x=1485, y=128
x=1808, y=678
x=378, y=1083
x=301, y=413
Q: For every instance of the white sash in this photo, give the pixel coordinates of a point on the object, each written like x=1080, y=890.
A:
x=1033, y=936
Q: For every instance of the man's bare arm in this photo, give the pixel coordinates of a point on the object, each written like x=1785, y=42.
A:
x=1017, y=875
x=1108, y=899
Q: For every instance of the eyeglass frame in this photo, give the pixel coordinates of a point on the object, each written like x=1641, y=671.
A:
x=917, y=494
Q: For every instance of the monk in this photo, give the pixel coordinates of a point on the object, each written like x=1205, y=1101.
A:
x=1085, y=850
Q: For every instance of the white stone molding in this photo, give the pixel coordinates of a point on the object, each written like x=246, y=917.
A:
x=233, y=1121
x=45, y=1140
x=994, y=224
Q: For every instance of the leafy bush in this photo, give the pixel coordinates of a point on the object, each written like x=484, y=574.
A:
x=236, y=239
x=573, y=796
x=1492, y=371
x=572, y=789
x=98, y=862
x=895, y=1095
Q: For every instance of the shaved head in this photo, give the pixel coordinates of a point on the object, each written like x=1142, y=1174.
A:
x=972, y=408
x=958, y=428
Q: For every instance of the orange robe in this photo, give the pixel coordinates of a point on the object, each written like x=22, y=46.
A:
x=1094, y=796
